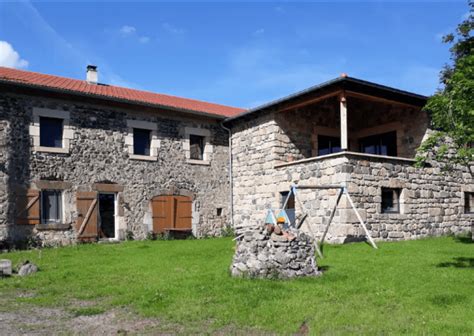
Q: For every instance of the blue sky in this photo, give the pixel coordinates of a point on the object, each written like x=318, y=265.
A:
x=241, y=54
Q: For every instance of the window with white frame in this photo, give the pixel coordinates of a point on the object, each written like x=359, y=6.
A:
x=51, y=206
x=51, y=131
x=142, y=140
x=197, y=146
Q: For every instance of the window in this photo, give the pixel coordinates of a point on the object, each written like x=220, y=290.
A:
x=219, y=212
x=328, y=145
x=380, y=144
x=196, y=147
x=290, y=205
x=51, y=207
x=51, y=132
x=390, y=200
x=141, y=141
x=469, y=202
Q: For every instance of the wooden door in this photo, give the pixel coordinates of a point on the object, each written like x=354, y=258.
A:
x=171, y=212
x=87, y=215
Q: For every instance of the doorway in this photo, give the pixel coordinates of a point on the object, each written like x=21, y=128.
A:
x=107, y=212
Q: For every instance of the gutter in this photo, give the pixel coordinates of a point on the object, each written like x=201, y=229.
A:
x=231, y=180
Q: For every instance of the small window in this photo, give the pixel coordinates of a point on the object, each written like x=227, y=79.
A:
x=290, y=205
x=219, y=212
x=141, y=141
x=380, y=144
x=196, y=147
x=51, y=206
x=328, y=145
x=469, y=202
x=51, y=132
x=390, y=200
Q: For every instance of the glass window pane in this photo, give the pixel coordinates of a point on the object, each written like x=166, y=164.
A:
x=51, y=132
x=380, y=144
x=328, y=145
x=51, y=206
x=141, y=141
x=196, y=147
x=390, y=200
x=469, y=202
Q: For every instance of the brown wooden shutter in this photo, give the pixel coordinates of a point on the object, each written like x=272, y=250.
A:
x=183, y=212
x=171, y=212
x=86, y=224
x=162, y=213
x=28, y=207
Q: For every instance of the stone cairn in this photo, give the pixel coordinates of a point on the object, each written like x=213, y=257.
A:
x=271, y=252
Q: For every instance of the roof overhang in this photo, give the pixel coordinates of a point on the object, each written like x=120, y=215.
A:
x=349, y=86
x=44, y=89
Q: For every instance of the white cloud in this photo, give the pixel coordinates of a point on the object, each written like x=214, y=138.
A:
x=127, y=30
x=279, y=9
x=172, y=29
x=259, y=32
x=131, y=32
x=9, y=57
x=143, y=39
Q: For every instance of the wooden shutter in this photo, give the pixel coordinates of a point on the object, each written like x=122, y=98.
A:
x=171, y=212
x=28, y=207
x=183, y=212
x=86, y=224
x=162, y=212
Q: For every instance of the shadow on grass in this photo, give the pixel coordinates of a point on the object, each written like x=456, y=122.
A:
x=464, y=239
x=460, y=262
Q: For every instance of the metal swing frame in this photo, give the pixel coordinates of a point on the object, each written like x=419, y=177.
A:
x=342, y=191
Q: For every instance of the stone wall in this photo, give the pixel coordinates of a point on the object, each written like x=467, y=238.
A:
x=99, y=153
x=432, y=200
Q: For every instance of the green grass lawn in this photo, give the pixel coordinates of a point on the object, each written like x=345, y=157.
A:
x=413, y=287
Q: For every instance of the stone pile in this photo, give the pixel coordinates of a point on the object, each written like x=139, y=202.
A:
x=270, y=252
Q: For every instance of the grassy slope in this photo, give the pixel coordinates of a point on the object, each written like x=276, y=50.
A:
x=404, y=287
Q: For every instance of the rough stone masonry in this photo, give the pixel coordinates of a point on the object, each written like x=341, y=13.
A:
x=98, y=154
x=264, y=253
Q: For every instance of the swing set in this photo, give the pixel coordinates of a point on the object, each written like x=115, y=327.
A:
x=298, y=223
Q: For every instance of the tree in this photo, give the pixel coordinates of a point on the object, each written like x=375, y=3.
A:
x=451, y=108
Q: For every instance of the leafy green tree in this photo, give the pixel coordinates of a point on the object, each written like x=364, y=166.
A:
x=452, y=107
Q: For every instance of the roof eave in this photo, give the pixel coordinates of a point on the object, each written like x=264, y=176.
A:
x=113, y=99
x=324, y=85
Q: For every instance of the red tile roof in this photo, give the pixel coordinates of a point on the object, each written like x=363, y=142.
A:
x=75, y=86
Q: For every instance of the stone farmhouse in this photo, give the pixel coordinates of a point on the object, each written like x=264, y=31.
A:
x=81, y=160
x=351, y=132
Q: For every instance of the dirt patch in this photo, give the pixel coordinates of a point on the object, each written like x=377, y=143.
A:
x=87, y=318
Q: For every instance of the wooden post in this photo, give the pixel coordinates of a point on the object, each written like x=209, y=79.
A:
x=343, y=116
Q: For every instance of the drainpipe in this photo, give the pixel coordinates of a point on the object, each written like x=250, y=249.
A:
x=231, y=183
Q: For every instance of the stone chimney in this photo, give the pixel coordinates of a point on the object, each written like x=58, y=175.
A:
x=92, y=75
